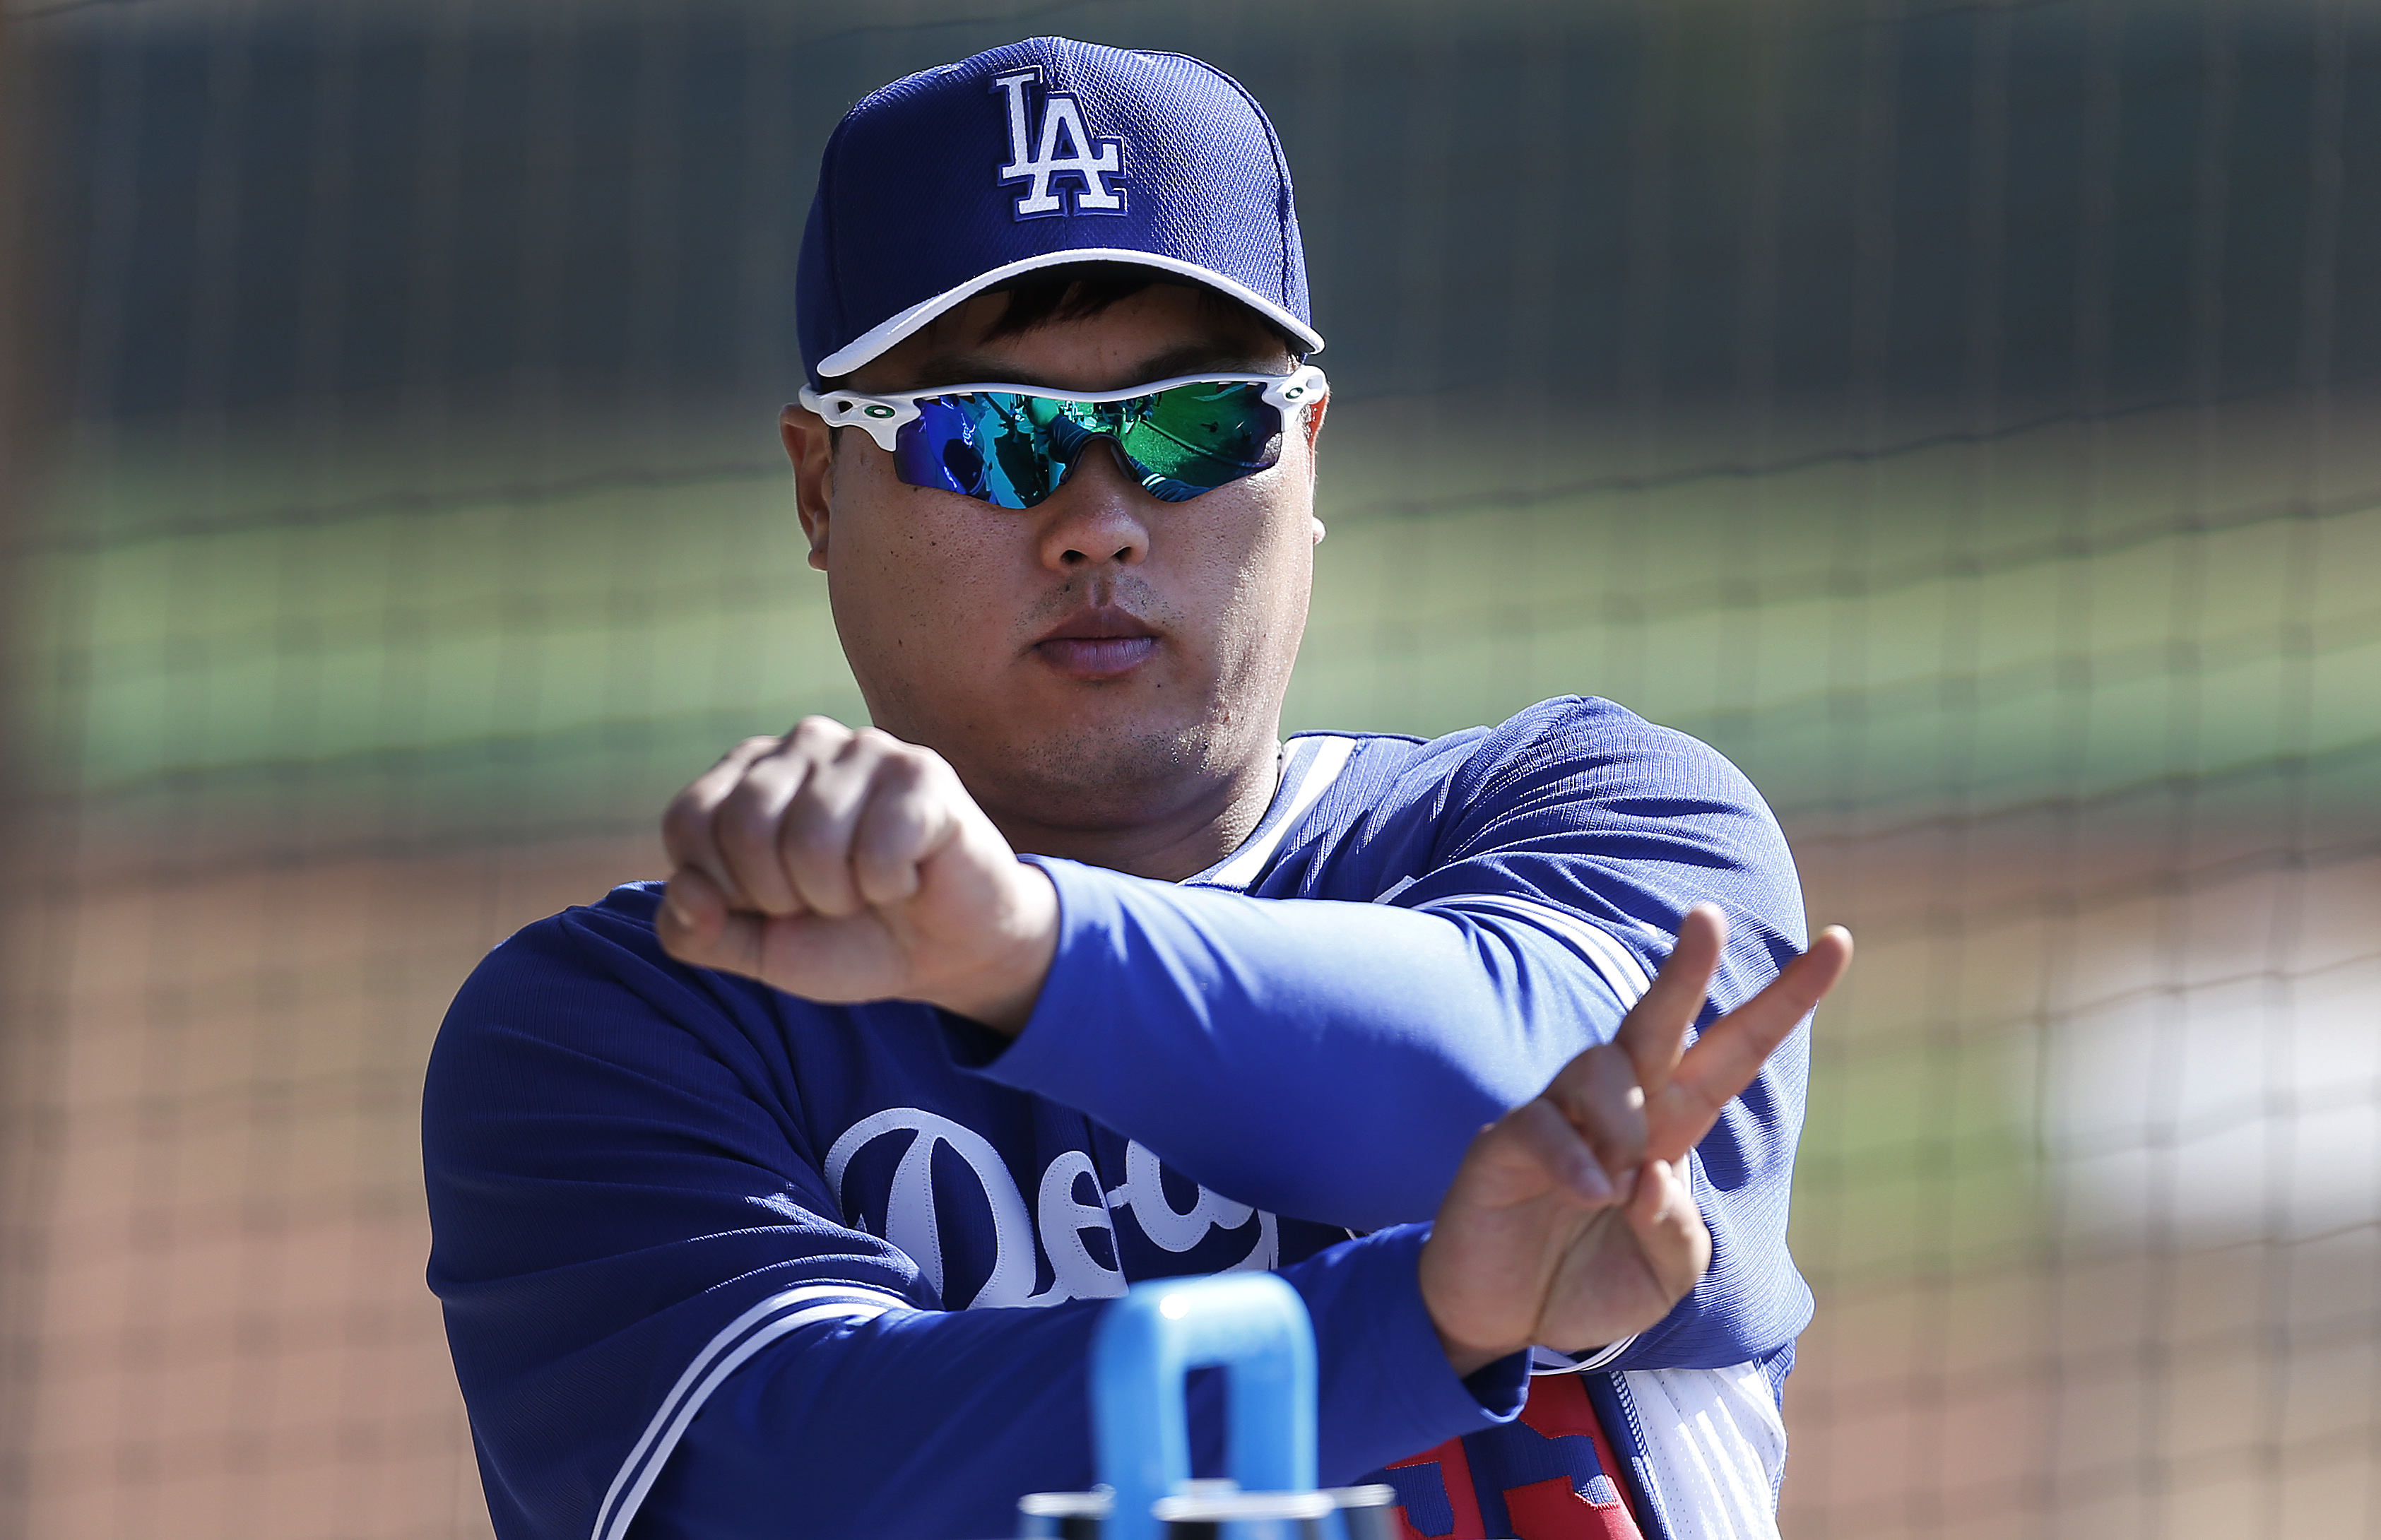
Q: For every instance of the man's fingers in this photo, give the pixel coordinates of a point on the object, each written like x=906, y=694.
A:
x=1547, y=1137
x=815, y=835
x=823, y=821
x=904, y=822
x=696, y=924
x=689, y=833
x=1731, y=1051
x=1656, y=1028
x=1524, y=1155
x=745, y=828
x=1669, y=1229
x=1598, y=1095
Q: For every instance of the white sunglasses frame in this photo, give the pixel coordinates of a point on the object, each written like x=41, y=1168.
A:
x=882, y=416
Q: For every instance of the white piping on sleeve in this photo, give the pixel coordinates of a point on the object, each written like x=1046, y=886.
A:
x=1614, y=963
x=726, y=1351
x=1550, y=1361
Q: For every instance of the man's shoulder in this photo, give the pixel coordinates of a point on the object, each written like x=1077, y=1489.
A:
x=1594, y=744
x=583, y=1014
x=1575, y=774
x=613, y=935
x=594, y=978
x=1612, y=749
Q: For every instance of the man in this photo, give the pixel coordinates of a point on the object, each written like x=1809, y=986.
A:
x=784, y=1201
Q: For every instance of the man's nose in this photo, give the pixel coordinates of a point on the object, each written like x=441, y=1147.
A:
x=1099, y=515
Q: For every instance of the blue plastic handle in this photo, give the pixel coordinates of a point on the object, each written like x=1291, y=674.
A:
x=1252, y=1324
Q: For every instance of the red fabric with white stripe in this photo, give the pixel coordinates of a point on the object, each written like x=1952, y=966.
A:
x=1551, y=1508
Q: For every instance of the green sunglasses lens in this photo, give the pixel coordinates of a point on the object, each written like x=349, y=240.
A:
x=1202, y=436
x=1013, y=450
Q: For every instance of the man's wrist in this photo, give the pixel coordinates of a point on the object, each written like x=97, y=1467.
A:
x=1001, y=994
x=1469, y=1360
x=1464, y=1356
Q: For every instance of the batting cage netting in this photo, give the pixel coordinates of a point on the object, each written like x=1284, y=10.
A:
x=1962, y=414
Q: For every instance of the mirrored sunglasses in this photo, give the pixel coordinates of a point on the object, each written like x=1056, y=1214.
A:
x=1014, y=445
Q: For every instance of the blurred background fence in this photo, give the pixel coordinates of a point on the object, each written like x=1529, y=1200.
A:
x=1962, y=414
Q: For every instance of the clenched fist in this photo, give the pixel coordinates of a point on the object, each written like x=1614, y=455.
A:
x=1569, y=1223
x=847, y=866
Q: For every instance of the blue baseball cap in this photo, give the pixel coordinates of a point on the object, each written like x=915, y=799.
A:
x=955, y=179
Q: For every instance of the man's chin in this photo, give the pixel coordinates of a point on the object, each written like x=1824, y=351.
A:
x=1109, y=778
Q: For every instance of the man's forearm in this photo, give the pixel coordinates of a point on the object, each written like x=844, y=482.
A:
x=1328, y=1061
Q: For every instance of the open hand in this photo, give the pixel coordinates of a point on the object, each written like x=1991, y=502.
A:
x=1569, y=1223
x=846, y=866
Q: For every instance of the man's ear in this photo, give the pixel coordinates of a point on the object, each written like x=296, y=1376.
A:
x=810, y=444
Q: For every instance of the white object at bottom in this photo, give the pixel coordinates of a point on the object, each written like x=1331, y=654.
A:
x=1716, y=1447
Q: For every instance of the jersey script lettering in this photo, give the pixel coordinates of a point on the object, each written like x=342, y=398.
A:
x=1063, y=1216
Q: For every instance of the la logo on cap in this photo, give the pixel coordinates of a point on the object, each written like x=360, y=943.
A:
x=1063, y=147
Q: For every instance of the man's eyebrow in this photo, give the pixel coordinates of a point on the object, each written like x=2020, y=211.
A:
x=951, y=369
x=1204, y=359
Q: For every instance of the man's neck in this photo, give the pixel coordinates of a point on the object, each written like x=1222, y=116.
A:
x=1180, y=843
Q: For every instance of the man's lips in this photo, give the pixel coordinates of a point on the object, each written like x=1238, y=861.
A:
x=1097, y=644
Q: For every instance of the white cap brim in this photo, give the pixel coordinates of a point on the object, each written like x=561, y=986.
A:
x=880, y=338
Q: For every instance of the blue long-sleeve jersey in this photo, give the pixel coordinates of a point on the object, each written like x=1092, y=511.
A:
x=720, y=1261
